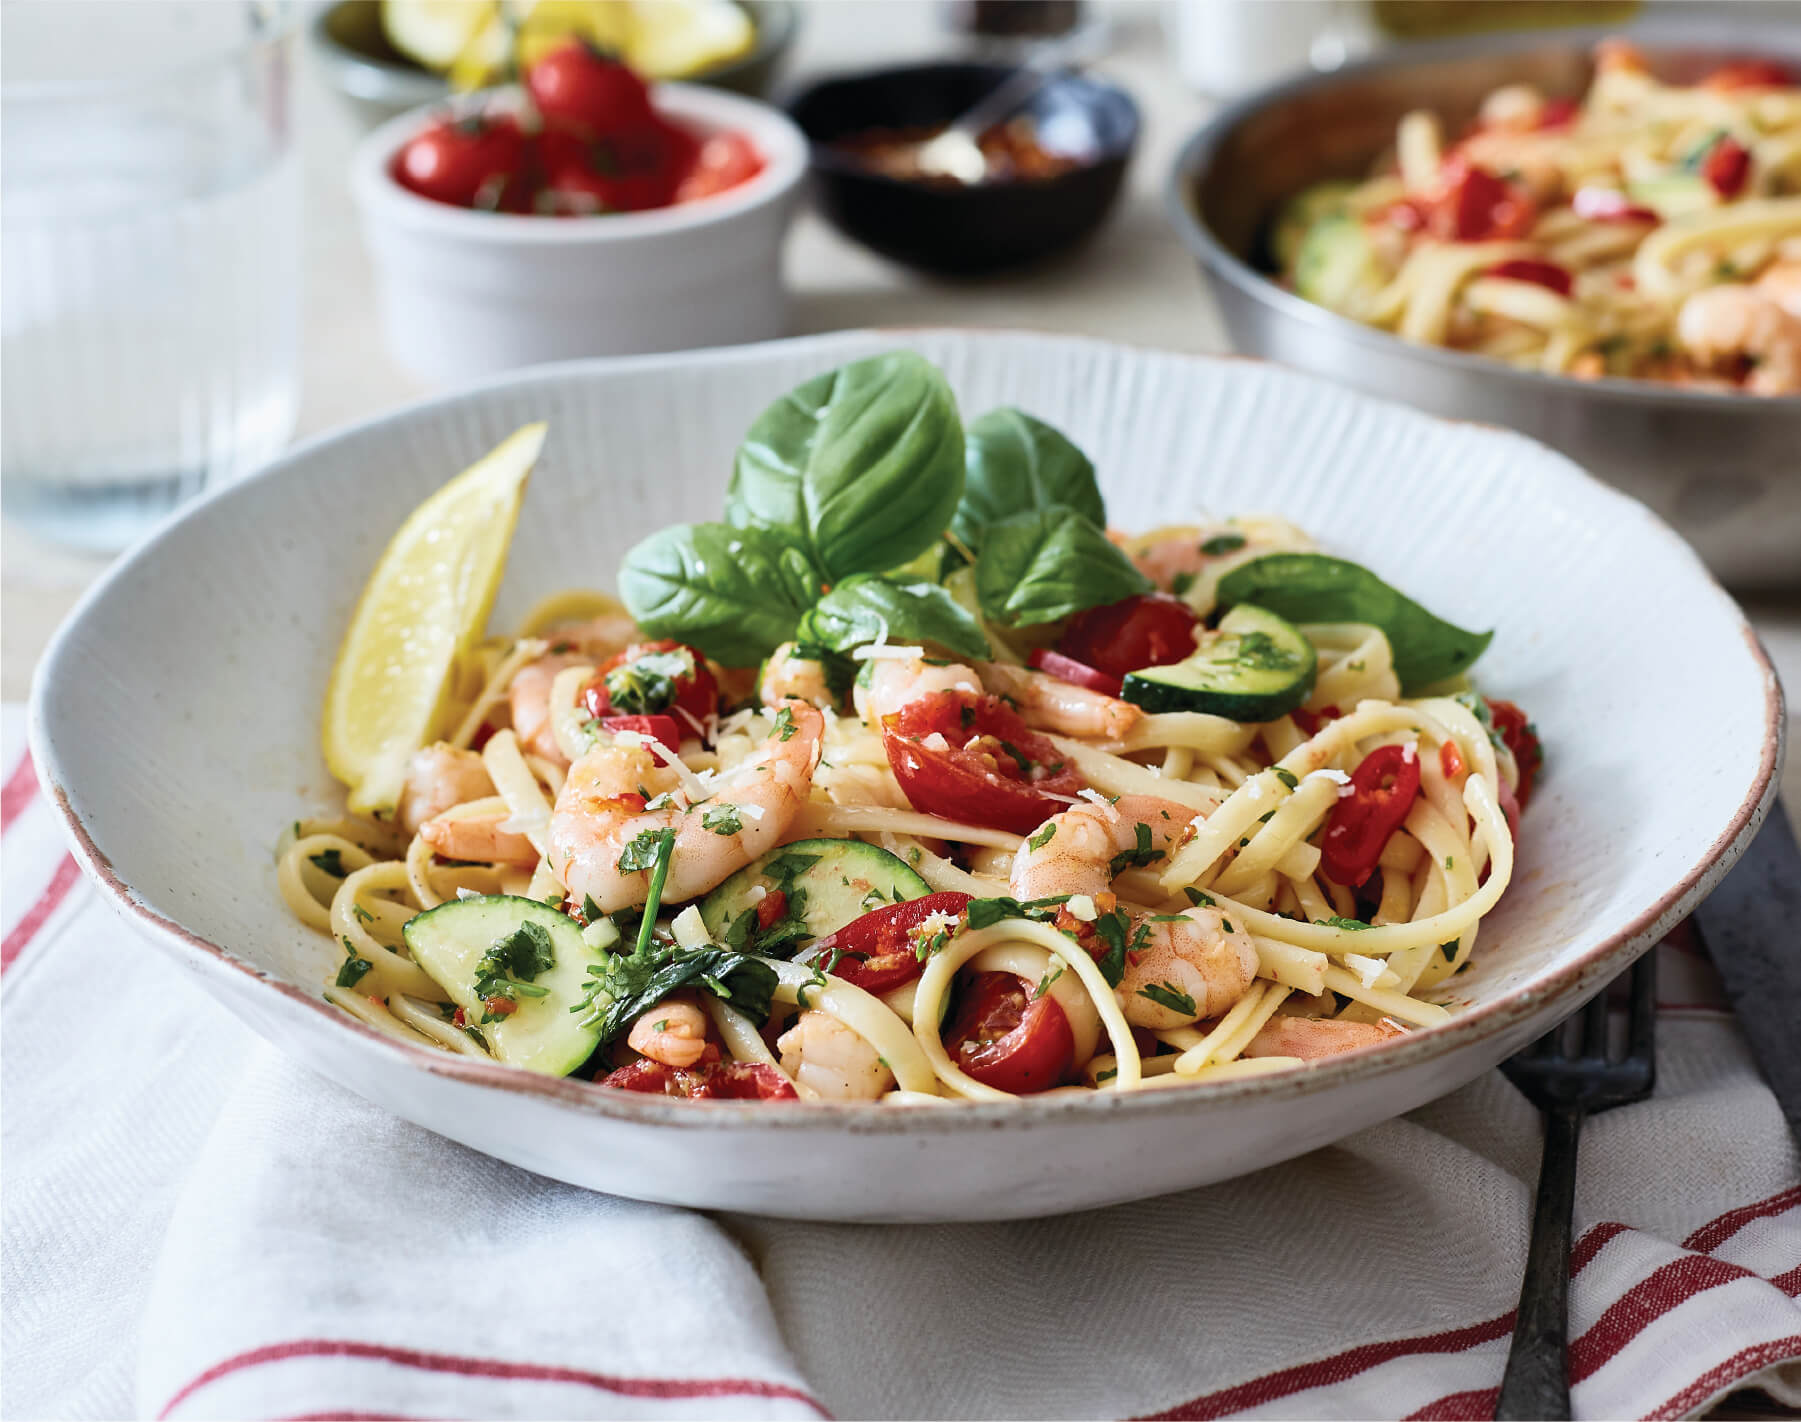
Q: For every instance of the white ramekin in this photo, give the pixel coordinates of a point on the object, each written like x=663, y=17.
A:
x=465, y=294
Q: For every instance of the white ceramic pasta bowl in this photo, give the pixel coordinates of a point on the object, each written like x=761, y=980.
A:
x=175, y=722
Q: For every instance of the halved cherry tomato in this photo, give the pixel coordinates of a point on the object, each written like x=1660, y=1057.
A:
x=709, y=1080
x=648, y=678
x=878, y=952
x=1593, y=204
x=1382, y=791
x=1726, y=166
x=772, y=908
x=1311, y=721
x=1450, y=760
x=1471, y=204
x=1521, y=738
x=1006, y=1039
x=1074, y=672
x=1750, y=74
x=985, y=766
x=1151, y=630
x=1545, y=274
x=658, y=728
x=724, y=161
x=477, y=161
x=578, y=85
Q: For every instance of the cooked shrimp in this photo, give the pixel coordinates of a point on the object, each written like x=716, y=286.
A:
x=1736, y=322
x=1197, y=954
x=1177, y=556
x=892, y=682
x=1781, y=282
x=571, y=645
x=437, y=777
x=477, y=837
x=1311, y=1037
x=1042, y=701
x=529, y=698
x=1054, y=705
x=820, y=1052
x=674, y=1032
x=599, y=814
x=788, y=676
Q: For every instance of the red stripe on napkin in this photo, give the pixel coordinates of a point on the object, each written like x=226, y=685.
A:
x=1476, y=1406
x=1716, y=1232
x=1739, y=1366
x=16, y=794
x=490, y=1368
x=27, y=927
x=1629, y=1315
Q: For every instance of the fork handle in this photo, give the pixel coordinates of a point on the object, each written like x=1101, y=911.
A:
x=1537, y=1380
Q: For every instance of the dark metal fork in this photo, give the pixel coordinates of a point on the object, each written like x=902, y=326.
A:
x=1568, y=1086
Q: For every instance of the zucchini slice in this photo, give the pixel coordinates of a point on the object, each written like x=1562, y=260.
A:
x=1257, y=667
x=828, y=883
x=544, y=1034
x=1335, y=264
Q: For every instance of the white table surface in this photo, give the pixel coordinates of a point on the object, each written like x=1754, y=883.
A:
x=1134, y=283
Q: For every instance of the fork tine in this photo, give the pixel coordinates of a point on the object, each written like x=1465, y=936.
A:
x=1641, y=1017
x=1594, y=1027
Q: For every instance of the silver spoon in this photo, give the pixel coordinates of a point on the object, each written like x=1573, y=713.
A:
x=957, y=152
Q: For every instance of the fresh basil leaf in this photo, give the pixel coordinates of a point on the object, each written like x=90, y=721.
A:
x=865, y=463
x=1014, y=464
x=1311, y=587
x=637, y=984
x=865, y=608
x=736, y=593
x=1049, y=563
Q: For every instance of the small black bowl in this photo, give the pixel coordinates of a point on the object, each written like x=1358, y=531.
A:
x=987, y=226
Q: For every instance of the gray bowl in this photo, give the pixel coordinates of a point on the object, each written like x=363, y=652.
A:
x=379, y=82
x=1724, y=469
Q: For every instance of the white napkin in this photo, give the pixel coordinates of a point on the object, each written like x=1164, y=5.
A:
x=196, y=1227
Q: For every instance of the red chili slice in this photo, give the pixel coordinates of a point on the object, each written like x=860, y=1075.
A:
x=1471, y=204
x=878, y=952
x=1007, y=1039
x=1727, y=166
x=1545, y=274
x=1382, y=791
x=1074, y=672
x=1593, y=204
x=986, y=767
x=658, y=728
x=1450, y=760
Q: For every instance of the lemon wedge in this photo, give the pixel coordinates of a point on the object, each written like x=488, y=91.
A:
x=424, y=606
x=436, y=32
x=675, y=38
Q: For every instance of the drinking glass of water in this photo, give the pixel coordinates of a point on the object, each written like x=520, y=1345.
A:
x=149, y=257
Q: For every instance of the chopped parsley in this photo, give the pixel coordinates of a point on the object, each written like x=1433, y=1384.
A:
x=1181, y=583
x=506, y=971
x=1170, y=996
x=783, y=728
x=1044, y=835
x=1449, y=950
x=1044, y=985
x=1199, y=898
x=646, y=851
x=362, y=914
x=723, y=819
x=1222, y=543
x=1287, y=778
x=650, y=683
x=351, y=970
x=1340, y=921
x=331, y=861
x=1138, y=856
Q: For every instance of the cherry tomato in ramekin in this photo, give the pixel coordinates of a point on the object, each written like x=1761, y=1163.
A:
x=479, y=161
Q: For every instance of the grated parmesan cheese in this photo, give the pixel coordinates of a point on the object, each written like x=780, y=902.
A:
x=937, y=742
x=1338, y=777
x=1253, y=790
x=1082, y=906
x=1368, y=969
x=467, y=893
x=750, y=812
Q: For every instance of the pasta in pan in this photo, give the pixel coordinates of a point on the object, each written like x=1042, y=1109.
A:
x=1648, y=230
x=1038, y=809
